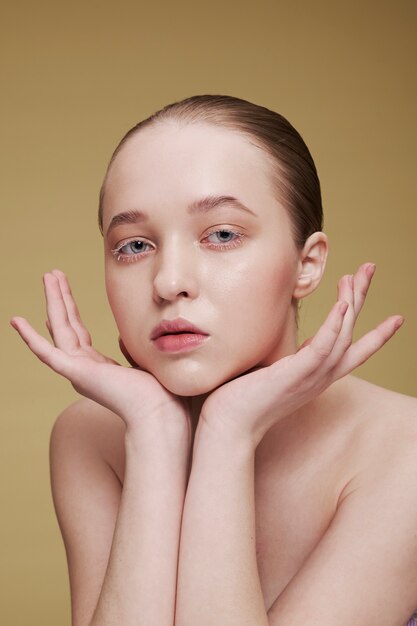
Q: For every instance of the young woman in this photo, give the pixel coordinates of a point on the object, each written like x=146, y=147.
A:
x=229, y=477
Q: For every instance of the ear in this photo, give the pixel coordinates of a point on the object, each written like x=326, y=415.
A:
x=311, y=264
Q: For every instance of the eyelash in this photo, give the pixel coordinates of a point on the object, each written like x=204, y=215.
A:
x=129, y=258
x=239, y=237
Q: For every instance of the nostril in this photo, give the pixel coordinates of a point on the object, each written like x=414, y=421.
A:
x=168, y=288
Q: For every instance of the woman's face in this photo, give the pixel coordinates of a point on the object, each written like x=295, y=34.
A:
x=193, y=233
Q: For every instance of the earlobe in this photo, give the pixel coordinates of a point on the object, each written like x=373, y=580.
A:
x=312, y=262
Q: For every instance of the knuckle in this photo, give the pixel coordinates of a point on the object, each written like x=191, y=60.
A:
x=320, y=351
x=345, y=343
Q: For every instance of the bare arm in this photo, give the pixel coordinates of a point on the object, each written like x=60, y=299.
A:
x=139, y=583
x=218, y=581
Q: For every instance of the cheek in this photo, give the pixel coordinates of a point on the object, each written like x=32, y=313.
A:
x=261, y=291
x=116, y=295
x=127, y=302
x=257, y=315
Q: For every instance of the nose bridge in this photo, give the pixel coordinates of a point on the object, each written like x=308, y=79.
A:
x=175, y=272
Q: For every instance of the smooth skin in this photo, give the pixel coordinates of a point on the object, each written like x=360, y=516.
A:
x=267, y=487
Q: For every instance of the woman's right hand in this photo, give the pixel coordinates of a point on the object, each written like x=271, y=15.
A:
x=133, y=394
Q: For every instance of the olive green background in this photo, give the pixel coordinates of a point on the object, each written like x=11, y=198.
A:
x=75, y=76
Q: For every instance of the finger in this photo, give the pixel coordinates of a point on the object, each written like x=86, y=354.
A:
x=352, y=289
x=48, y=326
x=344, y=339
x=52, y=356
x=321, y=345
x=72, y=309
x=305, y=343
x=370, y=343
x=63, y=333
x=362, y=280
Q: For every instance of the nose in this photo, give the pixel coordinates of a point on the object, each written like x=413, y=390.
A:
x=176, y=275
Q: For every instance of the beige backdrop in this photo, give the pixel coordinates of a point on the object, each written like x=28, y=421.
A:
x=75, y=76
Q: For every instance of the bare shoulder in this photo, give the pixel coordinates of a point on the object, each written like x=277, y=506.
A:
x=88, y=429
x=362, y=430
x=87, y=466
x=352, y=424
x=381, y=408
x=361, y=451
x=377, y=394
x=385, y=427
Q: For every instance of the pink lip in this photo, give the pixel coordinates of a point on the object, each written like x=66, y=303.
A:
x=177, y=335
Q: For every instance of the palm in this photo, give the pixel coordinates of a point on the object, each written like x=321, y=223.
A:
x=131, y=393
x=124, y=390
x=231, y=405
x=251, y=404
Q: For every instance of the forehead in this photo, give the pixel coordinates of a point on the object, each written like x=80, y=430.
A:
x=173, y=163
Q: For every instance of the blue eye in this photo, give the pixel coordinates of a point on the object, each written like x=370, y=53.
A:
x=223, y=236
x=131, y=249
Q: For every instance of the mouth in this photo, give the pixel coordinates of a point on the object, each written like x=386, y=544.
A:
x=177, y=335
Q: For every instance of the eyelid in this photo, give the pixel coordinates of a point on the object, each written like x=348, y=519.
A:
x=238, y=230
x=120, y=256
x=126, y=240
x=238, y=240
x=240, y=236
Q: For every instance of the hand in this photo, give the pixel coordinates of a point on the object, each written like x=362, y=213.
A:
x=135, y=395
x=251, y=404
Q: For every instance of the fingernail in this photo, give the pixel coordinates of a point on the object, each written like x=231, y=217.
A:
x=370, y=269
x=400, y=321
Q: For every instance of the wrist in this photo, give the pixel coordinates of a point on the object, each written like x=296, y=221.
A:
x=157, y=442
x=223, y=439
x=166, y=466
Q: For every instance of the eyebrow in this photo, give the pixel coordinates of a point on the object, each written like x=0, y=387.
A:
x=127, y=217
x=203, y=205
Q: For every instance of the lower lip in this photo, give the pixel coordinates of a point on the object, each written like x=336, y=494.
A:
x=179, y=343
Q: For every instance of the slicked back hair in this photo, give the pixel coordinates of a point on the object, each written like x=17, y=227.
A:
x=293, y=170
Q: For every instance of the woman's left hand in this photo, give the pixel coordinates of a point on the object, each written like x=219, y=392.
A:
x=250, y=405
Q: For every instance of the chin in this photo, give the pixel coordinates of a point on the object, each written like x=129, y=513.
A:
x=187, y=387
x=190, y=382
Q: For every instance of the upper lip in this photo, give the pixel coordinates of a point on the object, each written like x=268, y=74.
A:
x=178, y=325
